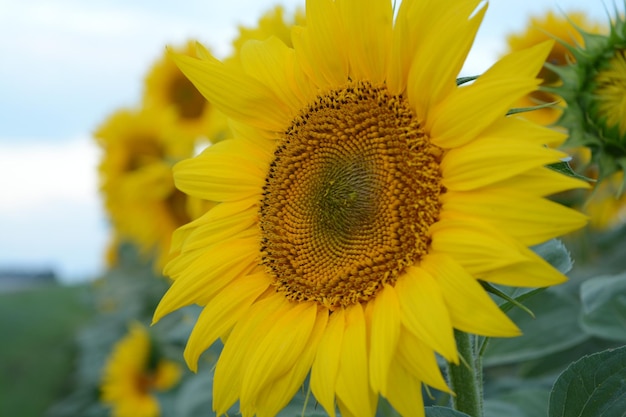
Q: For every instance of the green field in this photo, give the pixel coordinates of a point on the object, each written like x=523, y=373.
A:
x=37, y=349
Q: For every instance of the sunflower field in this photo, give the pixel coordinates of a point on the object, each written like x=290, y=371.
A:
x=335, y=221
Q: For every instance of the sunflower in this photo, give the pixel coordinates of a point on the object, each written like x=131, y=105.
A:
x=361, y=198
x=139, y=149
x=133, y=372
x=540, y=29
x=594, y=90
x=167, y=87
x=605, y=208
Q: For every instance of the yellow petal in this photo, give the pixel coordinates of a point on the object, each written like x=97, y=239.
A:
x=424, y=312
x=320, y=55
x=279, y=349
x=385, y=331
x=519, y=128
x=234, y=93
x=521, y=63
x=475, y=245
x=326, y=365
x=222, y=313
x=489, y=160
x=541, y=181
x=405, y=391
x=531, y=220
x=352, y=379
x=234, y=359
x=419, y=360
x=277, y=395
x=229, y=170
x=272, y=63
x=471, y=309
x=221, y=264
x=431, y=80
x=368, y=25
x=535, y=272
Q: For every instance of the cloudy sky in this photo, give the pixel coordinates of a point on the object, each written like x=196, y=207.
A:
x=66, y=64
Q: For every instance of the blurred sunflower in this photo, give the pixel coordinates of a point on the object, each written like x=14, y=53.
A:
x=594, y=91
x=363, y=195
x=167, y=87
x=540, y=29
x=133, y=373
x=606, y=210
x=139, y=149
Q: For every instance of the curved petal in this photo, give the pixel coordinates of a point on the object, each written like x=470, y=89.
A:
x=234, y=93
x=405, y=391
x=319, y=53
x=385, y=331
x=490, y=160
x=541, y=181
x=222, y=313
x=424, y=312
x=326, y=364
x=368, y=28
x=471, y=309
x=352, y=388
x=420, y=360
x=430, y=81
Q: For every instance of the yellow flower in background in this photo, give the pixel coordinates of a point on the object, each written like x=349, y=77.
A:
x=540, y=29
x=605, y=208
x=166, y=87
x=138, y=151
x=133, y=373
x=594, y=90
x=360, y=200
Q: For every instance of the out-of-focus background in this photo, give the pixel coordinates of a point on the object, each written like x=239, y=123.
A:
x=66, y=65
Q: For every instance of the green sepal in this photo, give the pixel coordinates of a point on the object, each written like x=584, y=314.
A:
x=564, y=168
x=463, y=80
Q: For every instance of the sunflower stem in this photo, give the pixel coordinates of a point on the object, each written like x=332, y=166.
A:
x=466, y=378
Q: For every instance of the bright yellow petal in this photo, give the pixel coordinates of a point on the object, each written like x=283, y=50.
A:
x=405, y=391
x=234, y=93
x=535, y=272
x=352, y=378
x=424, y=311
x=419, y=360
x=279, y=349
x=326, y=365
x=489, y=160
x=525, y=63
x=518, y=128
x=320, y=55
x=488, y=249
x=272, y=63
x=275, y=396
x=432, y=79
x=368, y=29
x=531, y=220
x=385, y=331
x=471, y=309
x=221, y=264
x=541, y=181
x=222, y=313
x=227, y=171
x=234, y=359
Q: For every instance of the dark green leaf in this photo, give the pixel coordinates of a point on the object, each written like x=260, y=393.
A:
x=530, y=108
x=564, y=168
x=604, y=307
x=443, y=412
x=591, y=387
x=519, y=403
x=555, y=328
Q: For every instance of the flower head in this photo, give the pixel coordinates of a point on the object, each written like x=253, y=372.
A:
x=167, y=88
x=139, y=149
x=594, y=90
x=541, y=29
x=133, y=373
x=360, y=199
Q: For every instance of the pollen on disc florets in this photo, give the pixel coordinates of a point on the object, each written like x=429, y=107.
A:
x=349, y=197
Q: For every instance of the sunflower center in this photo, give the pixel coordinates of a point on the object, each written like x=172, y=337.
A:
x=610, y=93
x=349, y=197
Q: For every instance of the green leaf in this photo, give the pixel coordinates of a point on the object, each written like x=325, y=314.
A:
x=564, y=168
x=604, y=307
x=556, y=254
x=443, y=412
x=530, y=108
x=195, y=396
x=463, y=80
x=555, y=328
x=520, y=403
x=593, y=386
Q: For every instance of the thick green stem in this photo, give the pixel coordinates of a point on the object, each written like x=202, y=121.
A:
x=466, y=378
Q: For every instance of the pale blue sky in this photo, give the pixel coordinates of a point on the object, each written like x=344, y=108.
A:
x=66, y=64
